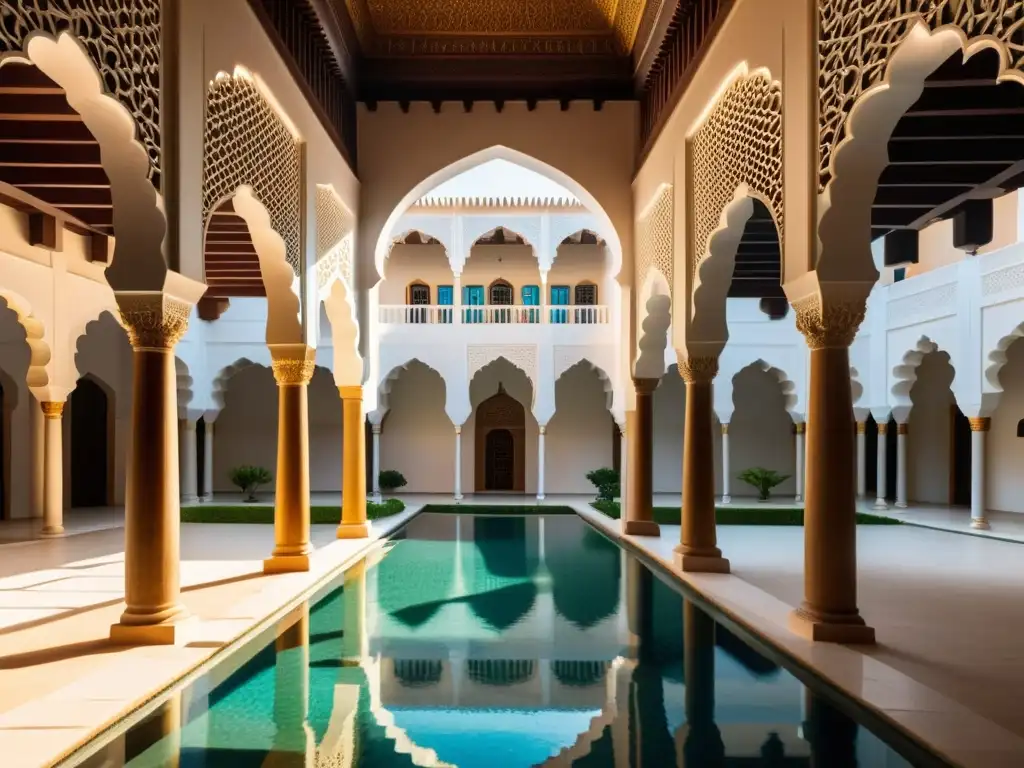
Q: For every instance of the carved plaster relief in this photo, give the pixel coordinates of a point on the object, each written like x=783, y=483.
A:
x=739, y=143
x=934, y=302
x=333, y=242
x=654, y=238
x=522, y=356
x=858, y=37
x=247, y=143
x=1002, y=280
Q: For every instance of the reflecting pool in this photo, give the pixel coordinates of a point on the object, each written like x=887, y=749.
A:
x=499, y=641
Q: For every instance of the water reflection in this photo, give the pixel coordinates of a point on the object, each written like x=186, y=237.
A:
x=498, y=642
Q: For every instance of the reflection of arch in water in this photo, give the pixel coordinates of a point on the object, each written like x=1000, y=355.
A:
x=415, y=580
x=418, y=673
x=500, y=671
x=585, y=579
x=499, y=570
x=580, y=674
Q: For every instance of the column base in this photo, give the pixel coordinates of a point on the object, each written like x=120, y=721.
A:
x=727, y=499
x=640, y=528
x=691, y=563
x=540, y=497
x=178, y=630
x=52, y=531
x=286, y=564
x=848, y=631
x=798, y=499
x=189, y=499
x=458, y=497
x=353, y=530
x=881, y=504
x=980, y=524
x=901, y=505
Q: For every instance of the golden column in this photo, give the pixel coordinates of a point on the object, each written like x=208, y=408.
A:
x=293, y=370
x=294, y=740
x=153, y=614
x=53, y=468
x=639, y=512
x=698, y=547
x=829, y=609
x=353, y=466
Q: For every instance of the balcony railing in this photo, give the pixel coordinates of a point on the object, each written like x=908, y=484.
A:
x=433, y=314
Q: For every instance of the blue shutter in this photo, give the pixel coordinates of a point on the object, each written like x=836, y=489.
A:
x=559, y=298
x=531, y=298
x=899, y=274
x=473, y=296
x=444, y=298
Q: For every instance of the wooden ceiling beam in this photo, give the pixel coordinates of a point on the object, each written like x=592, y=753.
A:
x=956, y=152
x=70, y=131
x=35, y=176
x=40, y=105
x=47, y=155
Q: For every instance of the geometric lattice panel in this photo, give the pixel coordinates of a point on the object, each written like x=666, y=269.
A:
x=654, y=239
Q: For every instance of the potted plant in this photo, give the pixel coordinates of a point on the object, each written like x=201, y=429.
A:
x=606, y=480
x=248, y=478
x=763, y=480
x=390, y=479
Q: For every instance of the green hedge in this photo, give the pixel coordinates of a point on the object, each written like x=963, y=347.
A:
x=741, y=515
x=250, y=513
x=498, y=509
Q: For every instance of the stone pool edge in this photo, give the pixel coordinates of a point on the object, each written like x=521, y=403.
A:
x=922, y=715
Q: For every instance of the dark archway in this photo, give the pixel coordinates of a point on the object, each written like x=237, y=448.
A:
x=501, y=444
x=871, y=459
x=499, y=461
x=91, y=444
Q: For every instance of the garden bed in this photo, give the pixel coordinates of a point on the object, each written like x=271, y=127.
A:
x=498, y=509
x=736, y=515
x=262, y=514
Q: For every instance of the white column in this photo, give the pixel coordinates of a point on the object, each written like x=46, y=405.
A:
x=540, y=462
x=375, y=428
x=53, y=469
x=901, y=466
x=726, y=474
x=800, y=429
x=187, y=459
x=208, y=460
x=38, y=459
x=979, y=428
x=458, y=462
x=880, y=503
x=457, y=298
x=862, y=464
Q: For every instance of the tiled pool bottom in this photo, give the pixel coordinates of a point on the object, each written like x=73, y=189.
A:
x=498, y=641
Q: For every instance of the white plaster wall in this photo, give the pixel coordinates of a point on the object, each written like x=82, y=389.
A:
x=929, y=462
x=579, y=435
x=246, y=431
x=418, y=438
x=1004, y=450
x=760, y=432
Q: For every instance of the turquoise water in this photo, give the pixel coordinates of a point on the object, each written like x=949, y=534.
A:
x=498, y=642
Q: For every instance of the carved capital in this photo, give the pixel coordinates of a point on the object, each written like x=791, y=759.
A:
x=725, y=429
x=645, y=386
x=980, y=423
x=800, y=427
x=862, y=427
x=833, y=325
x=543, y=429
x=52, y=409
x=902, y=429
x=375, y=429
x=154, y=321
x=883, y=428
x=698, y=369
x=293, y=372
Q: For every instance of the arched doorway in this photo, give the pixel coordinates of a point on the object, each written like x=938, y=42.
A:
x=90, y=445
x=501, y=444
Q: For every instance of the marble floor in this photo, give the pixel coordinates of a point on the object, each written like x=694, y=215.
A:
x=949, y=663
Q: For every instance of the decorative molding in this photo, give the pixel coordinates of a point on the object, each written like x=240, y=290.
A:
x=654, y=238
x=1001, y=280
x=937, y=301
x=154, y=321
x=739, y=143
x=857, y=38
x=122, y=37
x=832, y=326
x=247, y=143
x=522, y=356
x=697, y=370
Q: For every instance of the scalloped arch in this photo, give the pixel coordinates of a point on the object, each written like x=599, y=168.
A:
x=905, y=374
x=786, y=384
x=998, y=356
x=39, y=350
x=655, y=320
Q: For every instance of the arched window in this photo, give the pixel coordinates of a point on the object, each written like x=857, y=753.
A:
x=500, y=293
x=419, y=298
x=585, y=299
x=1020, y=428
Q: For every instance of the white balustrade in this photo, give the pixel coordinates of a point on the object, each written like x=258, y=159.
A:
x=415, y=314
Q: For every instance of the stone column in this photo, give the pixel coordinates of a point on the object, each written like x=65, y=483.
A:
x=294, y=740
x=880, y=502
x=726, y=472
x=901, y=465
x=53, y=468
x=698, y=547
x=829, y=609
x=187, y=460
x=38, y=499
x=208, y=460
x=457, y=298
x=375, y=429
x=638, y=519
x=458, y=462
x=702, y=740
x=862, y=463
x=293, y=369
x=153, y=612
x=979, y=428
x=540, y=461
x=353, y=471
x=799, y=429
x=831, y=734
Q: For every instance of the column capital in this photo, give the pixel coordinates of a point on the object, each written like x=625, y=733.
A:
x=645, y=386
x=153, y=320
x=799, y=427
x=862, y=427
x=351, y=392
x=883, y=427
x=902, y=428
x=292, y=364
x=697, y=369
x=543, y=428
x=458, y=429
x=832, y=324
x=375, y=429
x=980, y=423
x=725, y=428
x=52, y=409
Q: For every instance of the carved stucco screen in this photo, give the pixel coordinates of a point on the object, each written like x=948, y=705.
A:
x=247, y=143
x=858, y=37
x=654, y=239
x=333, y=245
x=121, y=37
x=739, y=143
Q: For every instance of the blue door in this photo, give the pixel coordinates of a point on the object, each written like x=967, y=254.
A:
x=559, y=298
x=531, y=298
x=444, y=299
x=473, y=296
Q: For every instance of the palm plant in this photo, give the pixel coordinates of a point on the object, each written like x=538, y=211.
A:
x=248, y=479
x=763, y=480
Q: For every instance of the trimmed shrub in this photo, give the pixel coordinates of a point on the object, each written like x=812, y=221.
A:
x=248, y=479
x=606, y=480
x=390, y=479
